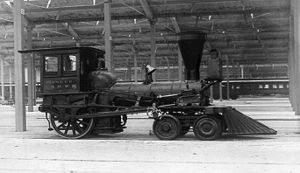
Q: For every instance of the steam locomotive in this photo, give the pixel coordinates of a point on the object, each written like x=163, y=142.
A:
x=80, y=97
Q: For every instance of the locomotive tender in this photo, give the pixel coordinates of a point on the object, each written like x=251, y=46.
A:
x=80, y=97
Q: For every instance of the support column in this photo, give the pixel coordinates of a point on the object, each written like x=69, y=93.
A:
x=10, y=82
x=242, y=71
x=20, y=114
x=294, y=68
x=153, y=45
x=30, y=71
x=128, y=70
x=135, y=66
x=180, y=66
x=227, y=78
x=291, y=58
x=2, y=79
x=220, y=91
x=168, y=70
x=297, y=53
x=211, y=93
x=107, y=36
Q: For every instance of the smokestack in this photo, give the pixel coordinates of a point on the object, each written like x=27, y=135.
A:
x=191, y=46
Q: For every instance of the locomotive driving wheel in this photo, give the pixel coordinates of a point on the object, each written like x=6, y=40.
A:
x=166, y=128
x=72, y=128
x=207, y=128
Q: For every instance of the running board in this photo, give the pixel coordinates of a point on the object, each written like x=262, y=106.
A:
x=240, y=124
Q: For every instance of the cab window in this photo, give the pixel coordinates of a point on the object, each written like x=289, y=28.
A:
x=101, y=63
x=51, y=64
x=69, y=63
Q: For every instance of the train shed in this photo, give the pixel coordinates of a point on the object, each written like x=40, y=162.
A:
x=257, y=42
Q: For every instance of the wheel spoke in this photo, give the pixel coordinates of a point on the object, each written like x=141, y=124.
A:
x=77, y=127
x=62, y=125
x=73, y=130
x=67, y=129
x=83, y=122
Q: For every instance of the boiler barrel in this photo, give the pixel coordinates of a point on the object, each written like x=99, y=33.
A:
x=160, y=88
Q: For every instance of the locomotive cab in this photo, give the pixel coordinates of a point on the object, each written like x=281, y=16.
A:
x=67, y=70
x=71, y=82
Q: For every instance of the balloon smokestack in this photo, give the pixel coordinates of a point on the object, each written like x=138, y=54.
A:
x=191, y=45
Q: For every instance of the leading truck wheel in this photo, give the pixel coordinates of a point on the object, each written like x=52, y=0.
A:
x=166, y=128
x=72, y=128
x=207, y=128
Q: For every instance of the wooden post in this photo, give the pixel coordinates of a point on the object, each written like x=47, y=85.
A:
x=180, y=66
x=2, y=79
x=291, y=59
x=227, y=77
x=107, y=36
x=290, y=56
x=153, y=47
x=20, y=113
x=295, y=54
x=242, y=71
x=135, y=66
x=296, y=57
x=220, y=91
x=168, y=69
x=10, y=82
x=211, y=92
x=128, y=70
x=30, y=71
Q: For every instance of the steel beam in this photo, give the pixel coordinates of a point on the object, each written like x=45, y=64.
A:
x=118, y=16
x=19, y=20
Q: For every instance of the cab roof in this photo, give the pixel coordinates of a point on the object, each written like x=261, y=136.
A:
x=90, y=49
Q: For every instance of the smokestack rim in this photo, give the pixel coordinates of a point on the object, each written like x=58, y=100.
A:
x=191, y=35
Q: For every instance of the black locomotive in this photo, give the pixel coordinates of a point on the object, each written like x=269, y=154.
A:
x=81, y=97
